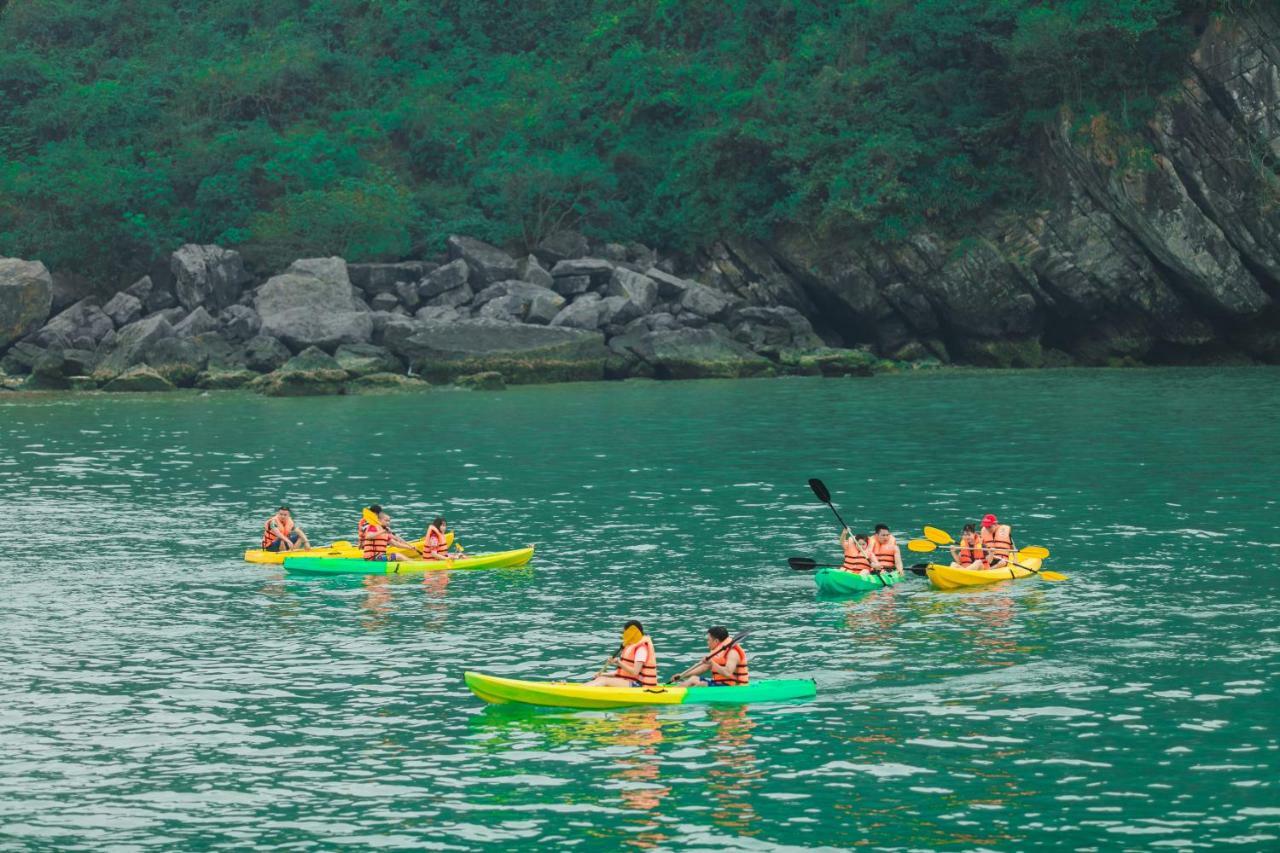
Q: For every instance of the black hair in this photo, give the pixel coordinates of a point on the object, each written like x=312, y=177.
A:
x=864, y=537
x=880, y=527
x=285, y=508
x=437, y=521
x=969, y=528
x=637, y=625
x=718, y=633
x=375, y=508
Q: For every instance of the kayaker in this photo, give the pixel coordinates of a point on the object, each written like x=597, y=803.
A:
x=857, y=555
x=636, y=661
x=378, y=538
x=997, y=541
x=435, y=545
x=884, y=547
x=724, y=667
x=376, y=509
x=280, y=533
x=967, y=553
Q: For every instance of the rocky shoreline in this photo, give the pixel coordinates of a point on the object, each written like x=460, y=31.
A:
x=476, y=316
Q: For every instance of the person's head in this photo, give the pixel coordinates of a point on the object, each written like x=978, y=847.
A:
x=882, y=532
x=969, y=530
x=862, y=539
x=283, y=513
x=989, y=520
x=383, y=518
x=438, y=523
x=716, y=636
x=632, y=632
x=376, y=509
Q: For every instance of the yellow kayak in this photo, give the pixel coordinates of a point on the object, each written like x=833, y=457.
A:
x=359, y=566
x=562, y=694
x=341, y=548
x=951, y=577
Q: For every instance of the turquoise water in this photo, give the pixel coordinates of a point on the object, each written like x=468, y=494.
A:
x=156, y=691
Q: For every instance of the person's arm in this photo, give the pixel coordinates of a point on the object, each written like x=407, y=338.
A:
x=844, y=535
x=870, y=555
x=306, y=543
x=634, y=669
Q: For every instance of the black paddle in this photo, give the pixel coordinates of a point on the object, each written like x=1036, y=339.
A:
x=727, y=644
x=824, y=495
x=804, y=564
x=600, y=672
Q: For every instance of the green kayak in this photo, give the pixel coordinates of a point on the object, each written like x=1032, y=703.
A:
x=840, y=582
x=357, y=566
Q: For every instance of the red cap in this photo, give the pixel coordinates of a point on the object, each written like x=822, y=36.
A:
x=988, y=519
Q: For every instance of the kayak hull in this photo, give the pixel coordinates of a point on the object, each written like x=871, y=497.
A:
x=840, y=582
x=951, y=577
x=337, y=549
x=357, y=566
x=553, y=694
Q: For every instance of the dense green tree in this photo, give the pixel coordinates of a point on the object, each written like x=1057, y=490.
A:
x=372, y=130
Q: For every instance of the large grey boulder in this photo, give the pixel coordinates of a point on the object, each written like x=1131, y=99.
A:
x=452, y=276
x=198, y=322
x=132, y=342
x=585, y=312
x=519, y=301
x=383, y=278
x=178, y=360
x=140, y=378
x=123, y=309
x=310, y=373
x=366, y=359
x=384, y=302
x=534, y=273
x=773, y=329
x=207, y=275
x=670, y=287
x=82, y=325
x=487, y=263
x=240, y=323
x=693, y=354
x=640, y=290
x=570, y=286
x=26, y=296
x=707, y=302
x=562, y=245
x=522, y=353
x=264, y=353
x=311, y=304
x=438, y=313
x=597, y=269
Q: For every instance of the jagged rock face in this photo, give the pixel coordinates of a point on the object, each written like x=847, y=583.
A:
x=207, y=275
x=1174, y=255
x=311, y=304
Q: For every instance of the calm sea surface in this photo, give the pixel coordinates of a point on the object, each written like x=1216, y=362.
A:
x=157, y=692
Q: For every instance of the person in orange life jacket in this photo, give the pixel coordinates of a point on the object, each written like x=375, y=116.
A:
x=997, y=541
x=967, y=553
x=376, y=509
x=636, y=664
x=435, y=545
x=884, y=547
x=857, y=556
x=378, y=538
x=724, y=667
x=279, y=533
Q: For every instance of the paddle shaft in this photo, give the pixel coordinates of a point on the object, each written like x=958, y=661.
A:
x=600, y=672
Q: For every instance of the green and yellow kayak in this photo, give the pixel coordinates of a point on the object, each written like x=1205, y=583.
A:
x=840, y=582
x=561, y=694
x=953, y=577
x=360, y=566
x=341, y=548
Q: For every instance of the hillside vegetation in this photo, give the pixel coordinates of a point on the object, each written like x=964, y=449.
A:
x=373, y=129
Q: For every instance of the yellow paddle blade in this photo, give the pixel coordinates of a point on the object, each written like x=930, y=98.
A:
x=341, y=543
x=369, y=516
x=938, y=537
x=1037, y=551
x=1052, y=576
x=921, y=545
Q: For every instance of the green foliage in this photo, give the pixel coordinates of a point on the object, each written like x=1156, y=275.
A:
x=372, y=130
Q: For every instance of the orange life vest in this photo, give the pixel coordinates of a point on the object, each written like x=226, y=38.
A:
x=999, y=540
x=970, y=549
x=740, y=674
x=885, y=552
x=435, y=543
x=853, y=559
x=375, y=541
x=648, y=669
x=269, y=535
